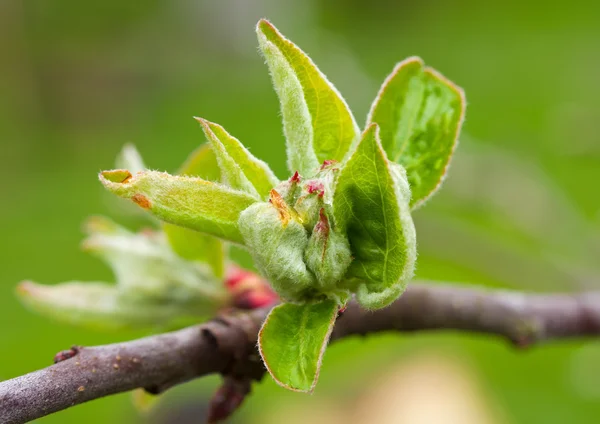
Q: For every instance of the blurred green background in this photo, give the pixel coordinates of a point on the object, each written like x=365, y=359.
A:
x=520, y=209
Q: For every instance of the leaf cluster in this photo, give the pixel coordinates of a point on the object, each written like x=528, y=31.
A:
x=339, y=226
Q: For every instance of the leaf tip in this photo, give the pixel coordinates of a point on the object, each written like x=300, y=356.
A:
x=206, y=127
x=200, y=120
x=409, y=61
x=25, y=289
x=115, y=176
x=264, y=25
x=459, y=91
x=372, y=129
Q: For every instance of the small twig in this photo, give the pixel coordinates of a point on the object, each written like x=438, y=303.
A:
x=226, y=345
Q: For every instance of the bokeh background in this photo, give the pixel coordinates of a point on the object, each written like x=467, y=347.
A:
x=520, y=209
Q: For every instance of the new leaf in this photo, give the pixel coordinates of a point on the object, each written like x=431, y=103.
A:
x=317, y=122
x=292, y=342
x=96, y=305
x=189, y=202
x=371, y=206
x=193, y=245
x=419, y=113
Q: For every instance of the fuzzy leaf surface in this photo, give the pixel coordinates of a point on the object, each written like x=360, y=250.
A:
x=185, y=201
x=193, y=245
x=293, y=340
x=317, y=122
x=130, y=158
x=146, y=268
x=420, y=114
x=96, y=305
x=240, y=168
x=371, y=206
x=276, y=241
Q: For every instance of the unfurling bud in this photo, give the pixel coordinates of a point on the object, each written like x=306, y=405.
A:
x=310, y=203
x=292, y=240
x=276, y=240
x=290, y=189
x=328, y=255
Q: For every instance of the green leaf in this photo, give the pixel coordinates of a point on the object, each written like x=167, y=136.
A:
x=317, y=122
x=96, y=305
x=370, y=205
x=241, y=169
x=292, y=342
x=129, y=158
x=420, y=114
x=146, y=268
x=189, y=202
x=193, y=245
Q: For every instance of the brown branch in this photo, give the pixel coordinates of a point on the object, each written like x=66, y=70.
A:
x=226, y=345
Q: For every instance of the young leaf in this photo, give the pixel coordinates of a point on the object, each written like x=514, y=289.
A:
x=327, y=254
x=95, y=305
x=193, y=245
x=317, y=122
x=241, y=169
x=292, y=342
x=189, y=202
x=130, y=158
x=420, y=114
x=146, y=268
x=371, y=206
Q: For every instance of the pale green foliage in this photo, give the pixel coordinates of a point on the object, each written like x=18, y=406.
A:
x=420, y=114
x=190, y=244
x=129, y=158
x=317, y=122
x=190, y=202
x=154, y=286
x=92, y=305
x=371, y=207
x=292, y=342
x=145, y=267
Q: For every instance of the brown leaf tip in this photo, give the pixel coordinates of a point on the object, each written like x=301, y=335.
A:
x=277, y=201
x=121, y=176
